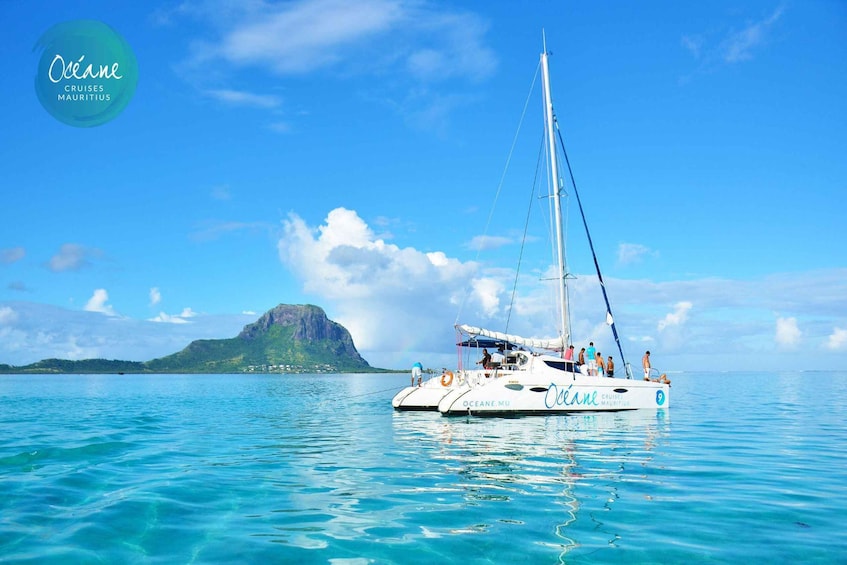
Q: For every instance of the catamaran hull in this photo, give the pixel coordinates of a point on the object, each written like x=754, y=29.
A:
x=571, y=393
x=426, y=396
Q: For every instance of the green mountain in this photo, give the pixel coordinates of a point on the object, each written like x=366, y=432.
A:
x=297, y=339
x=286, y=339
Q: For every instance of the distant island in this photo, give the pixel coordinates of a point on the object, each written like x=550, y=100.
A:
x=286, y=339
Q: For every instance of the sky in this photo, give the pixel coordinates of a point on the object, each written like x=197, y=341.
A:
x=353, y=155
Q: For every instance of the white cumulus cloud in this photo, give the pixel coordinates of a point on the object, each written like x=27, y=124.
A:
x=155, y=296
x=7, y=316
x=97, y=303
x=677, y=317
x=837, y=340
x=168, y=319
x=426, y=48
x=488, y=291
x=633, y=253
x=430, y=43
x=300, y=36
x=787, y=332
x=390, y=298
x=181, y=318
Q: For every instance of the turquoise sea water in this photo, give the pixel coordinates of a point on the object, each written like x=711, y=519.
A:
x=320, y=469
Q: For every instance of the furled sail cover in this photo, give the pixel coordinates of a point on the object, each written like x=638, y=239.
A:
x=555, y=344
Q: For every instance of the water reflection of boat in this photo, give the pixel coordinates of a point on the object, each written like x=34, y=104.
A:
x=549, y=463
x=527, y=435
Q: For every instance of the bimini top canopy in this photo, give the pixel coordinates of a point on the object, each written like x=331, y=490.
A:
x=554, y=344
x=487, y=343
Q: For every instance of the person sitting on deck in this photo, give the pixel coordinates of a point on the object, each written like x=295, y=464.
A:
x=498, y=357
x=645, y=362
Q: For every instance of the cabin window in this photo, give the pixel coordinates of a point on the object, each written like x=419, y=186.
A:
x=560, y=365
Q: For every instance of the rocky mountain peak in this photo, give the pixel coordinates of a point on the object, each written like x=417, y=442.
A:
x=310, y=323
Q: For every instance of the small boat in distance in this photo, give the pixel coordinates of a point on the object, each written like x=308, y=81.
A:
x=532, y=376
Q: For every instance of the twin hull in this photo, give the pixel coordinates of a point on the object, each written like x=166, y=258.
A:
x=428, y=394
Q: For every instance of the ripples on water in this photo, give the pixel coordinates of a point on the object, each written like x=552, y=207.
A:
x=319, y=469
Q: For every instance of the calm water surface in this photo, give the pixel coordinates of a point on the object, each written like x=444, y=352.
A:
x=320, y=469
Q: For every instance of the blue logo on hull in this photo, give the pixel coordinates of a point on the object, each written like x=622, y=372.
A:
x=660, y=397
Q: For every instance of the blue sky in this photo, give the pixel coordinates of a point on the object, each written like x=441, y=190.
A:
x=348, y=154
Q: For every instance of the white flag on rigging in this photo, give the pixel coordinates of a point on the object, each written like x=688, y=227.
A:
x=609, y=320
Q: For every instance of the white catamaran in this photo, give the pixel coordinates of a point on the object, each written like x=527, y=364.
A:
x=531, y=376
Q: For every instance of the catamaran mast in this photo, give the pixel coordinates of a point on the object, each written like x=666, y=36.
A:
x=556, y=195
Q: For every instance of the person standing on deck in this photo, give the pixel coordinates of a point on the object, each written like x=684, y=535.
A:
x=569, y=353
x=610, y=367
x=601, y=367
x=645, y=362
x=417, y=369
x=591, y=353
x=486, y=359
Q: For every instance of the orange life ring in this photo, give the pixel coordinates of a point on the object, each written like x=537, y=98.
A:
x=447, y=378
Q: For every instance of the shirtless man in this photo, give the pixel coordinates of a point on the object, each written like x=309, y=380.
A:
x=645, y=362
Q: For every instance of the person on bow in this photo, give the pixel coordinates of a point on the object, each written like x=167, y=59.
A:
x=417, y=370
